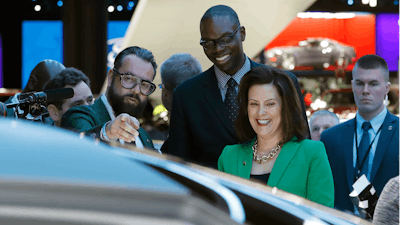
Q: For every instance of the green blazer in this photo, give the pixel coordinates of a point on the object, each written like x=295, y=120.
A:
x=302, y=168
x=90, y=119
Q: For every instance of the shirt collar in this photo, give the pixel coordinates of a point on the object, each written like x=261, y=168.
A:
x=108, y=106
x=223, y=77
x=376, y=122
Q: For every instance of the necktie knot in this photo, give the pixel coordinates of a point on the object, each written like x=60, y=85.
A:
x=231, y=83
x=366, y=126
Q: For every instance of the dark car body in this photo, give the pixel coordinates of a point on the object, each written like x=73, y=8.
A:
x=317, y=52
x=52, y=176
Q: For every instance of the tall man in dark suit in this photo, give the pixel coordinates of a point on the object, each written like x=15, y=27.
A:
x=204, y=108
x=369, y=143
x=114, y=114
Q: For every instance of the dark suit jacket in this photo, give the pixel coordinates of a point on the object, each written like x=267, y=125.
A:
x=200, y=127
x=90, y=119
x=338, y=142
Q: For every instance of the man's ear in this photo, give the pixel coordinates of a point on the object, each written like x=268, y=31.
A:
x=242, y=33
x=388, y=84
x=109, y=77
x=54, y=112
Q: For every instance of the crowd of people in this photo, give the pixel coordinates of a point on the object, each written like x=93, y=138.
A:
x=238, y=116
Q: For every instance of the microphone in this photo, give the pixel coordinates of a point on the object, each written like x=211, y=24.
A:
x=3, y=108
x=52, y=95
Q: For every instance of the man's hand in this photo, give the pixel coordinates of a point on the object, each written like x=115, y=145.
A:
x=124, y=127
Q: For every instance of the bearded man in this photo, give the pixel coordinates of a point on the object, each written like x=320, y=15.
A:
x=113, y=116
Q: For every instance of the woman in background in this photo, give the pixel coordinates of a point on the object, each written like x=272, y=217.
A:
x=272, y=131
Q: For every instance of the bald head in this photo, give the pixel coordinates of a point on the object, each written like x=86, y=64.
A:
x=42, y=73
x=221, y=11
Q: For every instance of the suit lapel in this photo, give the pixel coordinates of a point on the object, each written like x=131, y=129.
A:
x=145, y=138
x=245, y=159
x=347, y=144
x=383, y=143
x=213, y=96
x=284, y=158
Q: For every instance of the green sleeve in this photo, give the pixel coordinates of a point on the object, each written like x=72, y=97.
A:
x=320, y=186
x=78, y=119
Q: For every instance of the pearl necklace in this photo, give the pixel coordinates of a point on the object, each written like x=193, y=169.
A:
x=265, y=158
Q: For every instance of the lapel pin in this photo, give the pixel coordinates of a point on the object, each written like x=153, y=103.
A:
x=244, y=163
x=390, y=128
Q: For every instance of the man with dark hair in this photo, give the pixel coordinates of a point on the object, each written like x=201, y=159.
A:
x=368, y=144
x=39, y=76
x=175, y=70
x=204, y=108
x=113, y=116
x=69, y=78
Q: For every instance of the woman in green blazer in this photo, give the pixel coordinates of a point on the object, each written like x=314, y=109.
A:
x=274, y=147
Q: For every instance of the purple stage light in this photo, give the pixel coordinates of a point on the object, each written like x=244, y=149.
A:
x=387, y=39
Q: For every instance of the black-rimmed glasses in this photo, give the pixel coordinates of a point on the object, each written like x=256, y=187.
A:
x=223, y=41
x=129, y=81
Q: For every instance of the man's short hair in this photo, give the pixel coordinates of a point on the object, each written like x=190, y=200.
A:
x=324, y=113
x=368, y=62
x=179, y=68
x=221, y=10
x=69, y=76
x=142, y=53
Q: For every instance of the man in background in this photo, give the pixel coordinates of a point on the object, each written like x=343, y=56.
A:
x=320, y=121
x=368, y=144
x=174, y=71
x=39, y=76
x=69, y=78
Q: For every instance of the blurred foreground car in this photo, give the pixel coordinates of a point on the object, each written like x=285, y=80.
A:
x=317, y=52
x=52, y=176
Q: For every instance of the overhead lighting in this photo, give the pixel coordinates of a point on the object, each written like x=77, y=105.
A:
x=120, y=8
x=110, y=8
x=37, y=8
x=350, y=2
x=325, y=15
x=365, y=2
x=60, y=3
x=373, y=3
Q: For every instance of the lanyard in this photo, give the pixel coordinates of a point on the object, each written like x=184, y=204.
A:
x=358, y=168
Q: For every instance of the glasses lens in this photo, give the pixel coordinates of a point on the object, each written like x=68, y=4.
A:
x=129, y=81
x=147, y=88
x=225, y=40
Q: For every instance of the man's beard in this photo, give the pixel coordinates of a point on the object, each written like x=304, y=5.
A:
x=120, y=106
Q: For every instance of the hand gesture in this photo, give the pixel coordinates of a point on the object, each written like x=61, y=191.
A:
x=124, y=127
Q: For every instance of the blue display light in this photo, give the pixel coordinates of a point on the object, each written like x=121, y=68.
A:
x=396, y=2
x=60, y=3
x=120, y=8
x=350, y=2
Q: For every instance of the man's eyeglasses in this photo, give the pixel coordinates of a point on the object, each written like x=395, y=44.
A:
x=129, y=81
x=223, y=41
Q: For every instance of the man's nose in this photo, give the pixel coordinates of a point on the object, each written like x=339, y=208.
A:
x=366, y=88
x=218, y=46
x=136, y=88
